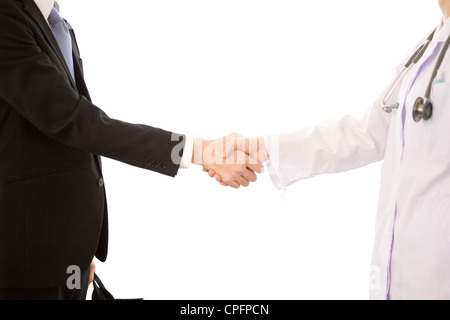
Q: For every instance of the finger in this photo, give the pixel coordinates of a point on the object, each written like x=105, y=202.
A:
x=243, y=182
x=231, y=143
x=254, y=164
x=219, y=179
x=211, y=173
x=241, y=143
x=234, y=185
x=249, y=175
x=252, y=146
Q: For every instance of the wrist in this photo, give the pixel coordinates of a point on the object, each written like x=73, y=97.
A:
x=263, y=155
x=198, y=151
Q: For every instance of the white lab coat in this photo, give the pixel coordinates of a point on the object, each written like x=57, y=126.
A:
x=411, y=255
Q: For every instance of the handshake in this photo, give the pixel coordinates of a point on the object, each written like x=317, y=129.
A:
x=232, y=160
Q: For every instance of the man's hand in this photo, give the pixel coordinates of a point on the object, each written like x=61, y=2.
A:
x=254, y=147
x=224, y=157
x=92, y=272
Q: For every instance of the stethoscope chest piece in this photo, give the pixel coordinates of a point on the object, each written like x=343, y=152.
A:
x=423, y=110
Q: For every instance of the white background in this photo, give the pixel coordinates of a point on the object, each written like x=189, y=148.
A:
x=257, y=67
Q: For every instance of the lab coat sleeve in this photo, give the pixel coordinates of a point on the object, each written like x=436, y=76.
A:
x=330, y=147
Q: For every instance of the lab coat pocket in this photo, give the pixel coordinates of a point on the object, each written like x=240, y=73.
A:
x=440, y=89
x=438, y=128
x=442, y=215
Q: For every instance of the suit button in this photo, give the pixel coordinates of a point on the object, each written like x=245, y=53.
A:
x=163, y=166
x=147, y=162
x=155, y=164
x=101, y=183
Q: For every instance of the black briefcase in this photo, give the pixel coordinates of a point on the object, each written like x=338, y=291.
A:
x=100, y=292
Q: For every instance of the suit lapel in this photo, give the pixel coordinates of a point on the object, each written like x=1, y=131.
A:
x=79, y=75
x=36, y=15
x=78, y=65
x=80, y=86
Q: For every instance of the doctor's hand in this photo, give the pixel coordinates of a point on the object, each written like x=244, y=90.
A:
x=222, y=156
x=254, y=147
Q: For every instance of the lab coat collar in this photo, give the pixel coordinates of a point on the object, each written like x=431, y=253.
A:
x=45, y=6
x=443, y=31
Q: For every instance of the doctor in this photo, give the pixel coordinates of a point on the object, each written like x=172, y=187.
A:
x=408, y=128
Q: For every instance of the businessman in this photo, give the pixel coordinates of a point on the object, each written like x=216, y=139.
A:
x=53, y=210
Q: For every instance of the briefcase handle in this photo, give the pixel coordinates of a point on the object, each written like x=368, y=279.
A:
x=101, y=293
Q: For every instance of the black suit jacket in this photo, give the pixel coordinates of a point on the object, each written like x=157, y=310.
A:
x=53, y=210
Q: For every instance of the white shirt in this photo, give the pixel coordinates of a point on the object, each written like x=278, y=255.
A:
x=411, y=254
x=45, y=6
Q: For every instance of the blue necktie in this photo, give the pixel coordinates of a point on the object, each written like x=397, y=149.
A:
x=61, y=32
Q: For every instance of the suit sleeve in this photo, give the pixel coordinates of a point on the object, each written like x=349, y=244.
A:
x=33, y=86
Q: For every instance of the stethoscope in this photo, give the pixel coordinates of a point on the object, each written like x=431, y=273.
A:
x=423, y=107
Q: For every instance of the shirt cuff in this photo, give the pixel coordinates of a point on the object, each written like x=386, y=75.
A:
x=273, y=164
x=186, y=159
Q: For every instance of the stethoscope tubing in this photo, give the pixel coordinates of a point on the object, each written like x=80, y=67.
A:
x=437, y=67
x=418, y=54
